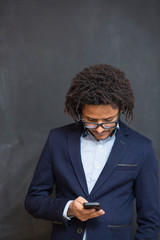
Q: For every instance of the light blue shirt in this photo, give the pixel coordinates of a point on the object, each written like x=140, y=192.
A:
x=94, y=155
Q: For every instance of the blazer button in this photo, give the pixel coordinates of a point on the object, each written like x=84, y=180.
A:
x=79, y=230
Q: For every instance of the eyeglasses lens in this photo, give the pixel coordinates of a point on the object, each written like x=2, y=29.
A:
x=104, y=125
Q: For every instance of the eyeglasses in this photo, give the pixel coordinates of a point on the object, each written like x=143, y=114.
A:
x=107, y=125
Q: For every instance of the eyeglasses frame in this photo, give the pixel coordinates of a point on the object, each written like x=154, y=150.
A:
x=100, y=124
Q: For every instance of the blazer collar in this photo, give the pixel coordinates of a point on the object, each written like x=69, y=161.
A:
x=119, y=147
x=75, y=156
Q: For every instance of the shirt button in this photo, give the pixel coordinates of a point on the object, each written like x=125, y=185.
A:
x=79, y=230
x=97, y=165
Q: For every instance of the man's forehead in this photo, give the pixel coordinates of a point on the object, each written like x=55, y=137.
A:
x=99, y=111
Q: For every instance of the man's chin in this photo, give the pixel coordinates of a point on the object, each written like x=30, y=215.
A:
x=102, y=138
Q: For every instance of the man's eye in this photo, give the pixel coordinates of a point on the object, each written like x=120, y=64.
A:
x=91, y=120
x=108, y=120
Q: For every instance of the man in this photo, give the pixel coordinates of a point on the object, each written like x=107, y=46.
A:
x=97, y=159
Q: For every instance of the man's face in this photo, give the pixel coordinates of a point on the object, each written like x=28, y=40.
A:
x=100, y=114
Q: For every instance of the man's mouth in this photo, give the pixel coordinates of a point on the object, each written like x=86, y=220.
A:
x=101, y=134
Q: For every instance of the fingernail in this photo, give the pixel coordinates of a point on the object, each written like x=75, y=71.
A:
x=102, y=212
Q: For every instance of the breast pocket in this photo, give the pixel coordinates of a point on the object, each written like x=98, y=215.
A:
x=126, y=167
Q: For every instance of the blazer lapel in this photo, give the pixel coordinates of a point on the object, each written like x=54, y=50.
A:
x=75, y=156
x=119, y=147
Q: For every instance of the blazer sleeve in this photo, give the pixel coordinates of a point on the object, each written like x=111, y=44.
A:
x=147, y=197
x=38, y=201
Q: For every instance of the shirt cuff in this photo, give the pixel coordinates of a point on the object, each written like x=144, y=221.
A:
x=66, y=210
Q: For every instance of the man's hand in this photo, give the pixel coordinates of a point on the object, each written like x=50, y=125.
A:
x=76, y=209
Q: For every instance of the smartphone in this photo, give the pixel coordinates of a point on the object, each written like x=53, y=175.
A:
x=90, y=205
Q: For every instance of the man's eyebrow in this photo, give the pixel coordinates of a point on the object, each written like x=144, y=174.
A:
x=110, y=117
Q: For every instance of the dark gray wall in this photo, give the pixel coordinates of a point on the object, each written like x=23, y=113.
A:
x=43, y=44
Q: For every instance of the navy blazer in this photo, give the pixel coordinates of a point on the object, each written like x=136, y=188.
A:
x=131, y=172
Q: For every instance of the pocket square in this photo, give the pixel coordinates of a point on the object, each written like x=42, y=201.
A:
x=127, y=165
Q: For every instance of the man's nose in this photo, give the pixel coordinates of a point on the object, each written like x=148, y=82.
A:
x=99, y=129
